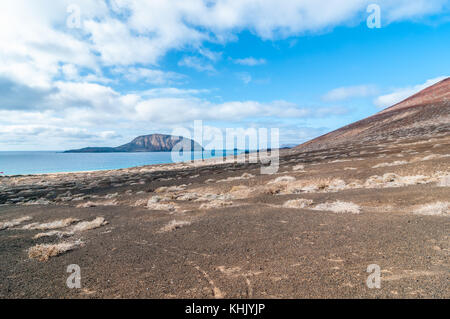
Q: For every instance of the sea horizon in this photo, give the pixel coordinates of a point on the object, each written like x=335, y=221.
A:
x=14, y=163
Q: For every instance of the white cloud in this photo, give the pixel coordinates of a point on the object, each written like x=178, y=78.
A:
x=184, y=110
x=404, y=9
x=35, y=40
x=400, y=94
x=250, y=61
x=197, y=64
x=116, y=44
x=92, y=113
x=170, y=91
x=348, y=92
x=211, y=55
x=34, y=37
x=245, y=77
x=152, y=76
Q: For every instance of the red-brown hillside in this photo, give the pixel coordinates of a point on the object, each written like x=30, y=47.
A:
x=423, y=115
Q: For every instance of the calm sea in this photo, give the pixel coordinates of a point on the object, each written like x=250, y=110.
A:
x=23, y=163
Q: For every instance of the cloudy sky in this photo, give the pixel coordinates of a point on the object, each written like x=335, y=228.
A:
x=82, y=73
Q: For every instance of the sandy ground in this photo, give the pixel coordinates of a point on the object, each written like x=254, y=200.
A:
x=212, y=230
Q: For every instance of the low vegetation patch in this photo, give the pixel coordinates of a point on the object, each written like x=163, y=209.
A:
x=339, y=207
x=444, y=181
x=434, y=209
x=217, y=203
x=390, y=164
x=45, y=251
x=97, y=204
x=174, y=225
x=298, y=203
x=70, y=231
x=51, y=225
x=282, y=179
x=162, y=206
x=14, y=222
x=236, y=178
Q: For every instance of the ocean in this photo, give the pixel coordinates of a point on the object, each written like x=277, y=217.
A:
x=25, y=163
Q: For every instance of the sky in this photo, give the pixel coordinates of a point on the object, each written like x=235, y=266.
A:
x=81, y=73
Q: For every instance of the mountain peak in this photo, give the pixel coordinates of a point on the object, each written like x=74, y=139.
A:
x=144, y=143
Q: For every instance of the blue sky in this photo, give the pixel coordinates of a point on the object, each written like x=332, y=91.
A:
x=139, y=67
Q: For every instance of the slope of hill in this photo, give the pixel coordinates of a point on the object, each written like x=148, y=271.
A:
x=146, y=143
x=426, y=113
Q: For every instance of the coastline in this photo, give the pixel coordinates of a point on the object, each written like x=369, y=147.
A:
x=217, y=160
x=154, y=156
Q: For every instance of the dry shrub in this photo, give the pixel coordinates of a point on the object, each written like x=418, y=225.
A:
x=339, y=207
x=298, y=203
x=298, y=168
x=444, y=181
x=217, y=203
x=282, y=179
x=61, y=223
x=212, y=196
x=140, y=202
x=434, y=209
x=243, y=176
x=97, y=204
x=188, y=196
x=174, y=188
x=14, y=222
x=390, y=164
x=316, y=185
x=241, y=191
x=162, y=206
x=40, y=201
x=83, y=226
x=394, y=180
x=174, y=225
x=45, y=251
x=52, y=233
x=80, y=227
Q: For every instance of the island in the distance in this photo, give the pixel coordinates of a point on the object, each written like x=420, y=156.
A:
x=145, y=143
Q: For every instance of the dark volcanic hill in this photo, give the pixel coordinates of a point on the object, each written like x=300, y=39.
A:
x=424, y=114
x=146, y=143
